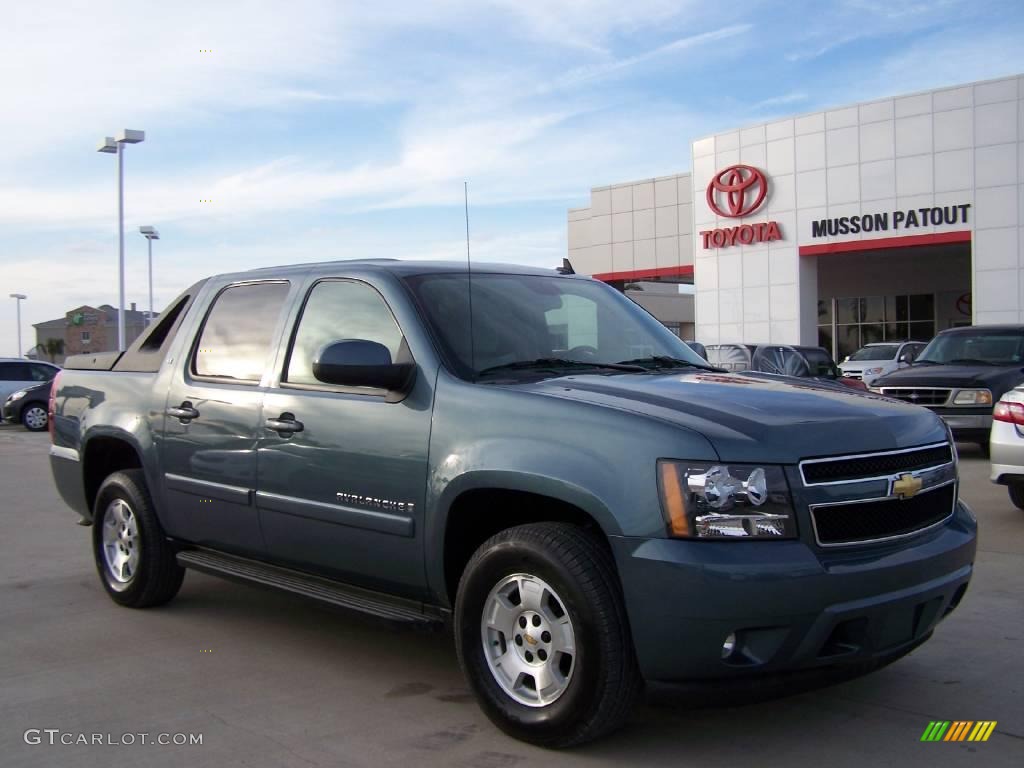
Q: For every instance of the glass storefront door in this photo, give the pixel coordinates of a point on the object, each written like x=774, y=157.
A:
x=846, y=324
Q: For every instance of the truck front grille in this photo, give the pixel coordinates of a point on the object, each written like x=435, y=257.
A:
x=918, y=395
x=851, y=468
x=879, y=519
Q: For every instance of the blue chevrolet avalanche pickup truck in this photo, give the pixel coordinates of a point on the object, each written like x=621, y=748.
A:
x=527, y=455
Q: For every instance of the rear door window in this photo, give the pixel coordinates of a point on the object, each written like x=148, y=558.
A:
x=238, y=334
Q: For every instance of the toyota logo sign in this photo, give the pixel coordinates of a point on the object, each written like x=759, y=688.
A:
x=742, y=187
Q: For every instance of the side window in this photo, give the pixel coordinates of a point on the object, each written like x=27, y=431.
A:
x=42, y=372
x=8, y=372
x=23, y=372
x=337, y=310
x=239, y=331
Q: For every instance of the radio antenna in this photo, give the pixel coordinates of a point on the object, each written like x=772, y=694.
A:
x=469, y=284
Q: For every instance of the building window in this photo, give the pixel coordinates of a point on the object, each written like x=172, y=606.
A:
x=847, y=324
x=86, y=337
x=676, y=328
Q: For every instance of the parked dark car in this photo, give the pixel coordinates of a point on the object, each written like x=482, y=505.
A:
x=960, y=375
x=699, y=348
x=28, y=407
x=17, y=373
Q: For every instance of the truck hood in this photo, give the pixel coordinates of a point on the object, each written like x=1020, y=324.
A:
x=758, y=417
x=1001, y=377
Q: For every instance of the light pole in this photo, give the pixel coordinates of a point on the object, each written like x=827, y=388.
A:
x=150, y=234
x=110, y=145
x=18, y=298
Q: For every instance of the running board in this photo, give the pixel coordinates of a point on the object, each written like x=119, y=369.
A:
x=322, y=590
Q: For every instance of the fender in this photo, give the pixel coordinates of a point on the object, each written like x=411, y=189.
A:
x=528, y=468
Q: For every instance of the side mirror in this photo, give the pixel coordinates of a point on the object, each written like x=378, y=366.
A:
x=361, y=363
x=905, y=358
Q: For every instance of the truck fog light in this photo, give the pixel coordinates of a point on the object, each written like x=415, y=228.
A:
x=729, y=645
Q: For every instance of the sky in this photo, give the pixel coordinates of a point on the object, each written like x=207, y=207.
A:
x=307, y=130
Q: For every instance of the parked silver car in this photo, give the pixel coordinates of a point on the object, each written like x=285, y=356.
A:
x=1006, y=444
x=877, y=359
x=17, y=373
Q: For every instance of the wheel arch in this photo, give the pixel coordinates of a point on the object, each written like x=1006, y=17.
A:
x=478, y=505
x=103, y=454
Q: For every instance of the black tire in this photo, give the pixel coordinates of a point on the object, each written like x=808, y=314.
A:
x=605, y=681
x=30, y=413
x=1016, y=491
x=157, y=576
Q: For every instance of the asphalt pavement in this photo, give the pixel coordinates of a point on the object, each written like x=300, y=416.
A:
x=269, y=680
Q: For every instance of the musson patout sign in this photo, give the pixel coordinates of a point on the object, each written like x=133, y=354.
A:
x=742, y=189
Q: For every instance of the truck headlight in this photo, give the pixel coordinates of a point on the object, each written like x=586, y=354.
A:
x=725, y=501
x=17, y=396
x=973, y=397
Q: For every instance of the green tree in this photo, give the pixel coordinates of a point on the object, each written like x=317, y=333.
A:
x=53, y=347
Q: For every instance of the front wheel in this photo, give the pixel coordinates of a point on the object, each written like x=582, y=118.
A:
x=33, y=417
x=542, y=635
x=1016, y=491
x=135, y=561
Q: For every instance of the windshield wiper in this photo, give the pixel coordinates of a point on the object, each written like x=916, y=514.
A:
x=555, y=363
x=970, y=361
x=919, y=361
x=664, y=361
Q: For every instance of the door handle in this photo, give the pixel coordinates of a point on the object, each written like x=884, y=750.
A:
x=184, y=412
x=285, y=425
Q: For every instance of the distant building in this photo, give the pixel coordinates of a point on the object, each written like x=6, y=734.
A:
x=86, y=329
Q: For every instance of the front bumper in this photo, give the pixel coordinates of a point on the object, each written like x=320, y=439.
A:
x=791, y=606
x=969, y=425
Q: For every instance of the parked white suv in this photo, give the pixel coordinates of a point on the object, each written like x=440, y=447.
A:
x=874, y=360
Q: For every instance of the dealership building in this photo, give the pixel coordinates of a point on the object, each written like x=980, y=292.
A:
x=884, y=220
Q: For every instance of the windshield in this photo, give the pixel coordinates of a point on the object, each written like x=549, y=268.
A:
x=994, y=348
x=523, y=318
x=876, y=352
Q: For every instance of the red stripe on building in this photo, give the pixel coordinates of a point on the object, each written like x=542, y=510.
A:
x=909, y=241
x=641, y=274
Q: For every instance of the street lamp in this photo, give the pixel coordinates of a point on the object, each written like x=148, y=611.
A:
x=150, y=234
x=18, y=298
x=110, y=145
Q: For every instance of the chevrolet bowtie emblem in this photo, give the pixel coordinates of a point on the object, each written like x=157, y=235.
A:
x=907, y=486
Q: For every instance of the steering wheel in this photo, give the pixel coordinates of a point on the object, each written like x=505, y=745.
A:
x=583, y=352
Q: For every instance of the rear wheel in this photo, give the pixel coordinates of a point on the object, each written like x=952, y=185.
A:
x=135, y=561
x=1016, y=491
x=33, y=417
x=542, y=635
